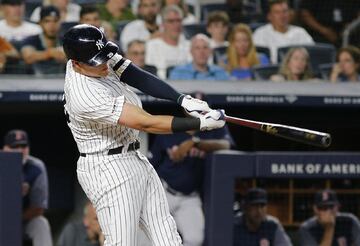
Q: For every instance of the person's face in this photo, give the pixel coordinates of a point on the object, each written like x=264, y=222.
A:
x=242, y=43
x=60, y=4
x=91, y=71
x=120, y=4
x=148, y=9
x=136, y=53
x=13, y=13
x=217, y=30
x=91, y=19
x=50, y=26
x=173, y=24
x=347, y=64
x=200, y=51
x=279, y=15
x=90, y=220
x=326, y=213
x=297, y=62
x=255, y=213
x=23, y=149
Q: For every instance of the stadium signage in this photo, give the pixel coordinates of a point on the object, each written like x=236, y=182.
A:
x=315, y=168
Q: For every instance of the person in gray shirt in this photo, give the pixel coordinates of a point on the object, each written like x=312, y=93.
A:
x=253, y=227
x=329, y=227
x=83, y=233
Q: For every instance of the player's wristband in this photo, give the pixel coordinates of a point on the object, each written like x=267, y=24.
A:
x=184, y=124
x=180, y=99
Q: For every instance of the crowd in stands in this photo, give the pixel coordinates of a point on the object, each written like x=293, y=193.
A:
x=246, y=37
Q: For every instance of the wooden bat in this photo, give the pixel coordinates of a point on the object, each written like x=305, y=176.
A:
x=320, y=139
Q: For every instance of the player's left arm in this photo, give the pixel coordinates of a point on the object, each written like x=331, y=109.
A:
x=153, y=86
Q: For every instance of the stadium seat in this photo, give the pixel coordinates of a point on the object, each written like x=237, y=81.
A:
x=325, y=70
x=219, y=54
x=264, y=72
x=208, y=8
x=254, y=25
x=319, y=54
x=168, y=70
x=29, y=8
x=193, y=29
x=264, y=50
x=351, y=34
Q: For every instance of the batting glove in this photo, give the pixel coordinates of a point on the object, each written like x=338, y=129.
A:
x=212, y=120
x=194, y=107
x=118, y=63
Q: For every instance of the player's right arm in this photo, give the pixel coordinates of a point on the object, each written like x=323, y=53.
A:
x=136, y=118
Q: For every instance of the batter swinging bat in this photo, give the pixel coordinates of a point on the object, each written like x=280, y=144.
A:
x=306, y=136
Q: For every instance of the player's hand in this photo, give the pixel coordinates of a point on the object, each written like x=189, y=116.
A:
x=212, y=120
x=114, y=60
x=194, y=107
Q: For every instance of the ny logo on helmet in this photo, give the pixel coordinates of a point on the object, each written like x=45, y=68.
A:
x=99, y=44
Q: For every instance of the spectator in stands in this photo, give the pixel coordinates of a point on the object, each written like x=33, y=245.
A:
x=179, y=161
x=144, y=28
x=188, y=18
x=279, y=32
x=326, y=21
x=83, y=233
x=90, y=15
x=34, y=189
x=13, y=27
x=241, y=54
x=136, y=53
x=171, y=48
x=114, y=11
x=295, y=66
x=329, y=226
x=254, y=227
x=7, y=50
x=347, y=67
x=199, y=68
x=217, y=25
x=44, y=50
x=69, y=12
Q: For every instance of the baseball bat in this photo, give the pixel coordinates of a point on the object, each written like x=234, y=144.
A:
x=320, y=139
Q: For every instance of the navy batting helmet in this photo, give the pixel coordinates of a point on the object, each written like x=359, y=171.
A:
x=87, y=44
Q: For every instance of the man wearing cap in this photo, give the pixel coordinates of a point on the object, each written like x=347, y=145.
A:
x=254, y=227
x=329, y=227
x=34, y=189
x=44, y=50
x=13, y=27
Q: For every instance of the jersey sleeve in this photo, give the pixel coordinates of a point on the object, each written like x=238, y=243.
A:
x=281, y=238
x=39, y=194
x=100, y=106
x=306, y=239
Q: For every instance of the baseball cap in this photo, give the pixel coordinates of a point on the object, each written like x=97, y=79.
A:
x=16, y=137
x=326, y=197
x=49, y=10
x=12, y=2
x=255, y=196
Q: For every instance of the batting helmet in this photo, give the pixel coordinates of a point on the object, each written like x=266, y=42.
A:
x=87, y=44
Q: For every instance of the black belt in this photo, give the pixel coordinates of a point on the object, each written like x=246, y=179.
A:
x=118, y=150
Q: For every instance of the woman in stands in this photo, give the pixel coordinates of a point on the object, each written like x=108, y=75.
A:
x=241, y=54
x=347, y=67
x=295, y=66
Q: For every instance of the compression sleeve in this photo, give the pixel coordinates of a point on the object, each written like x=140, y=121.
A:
x=149, y=84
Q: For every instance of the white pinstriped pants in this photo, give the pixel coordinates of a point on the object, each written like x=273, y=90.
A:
x=127, y=193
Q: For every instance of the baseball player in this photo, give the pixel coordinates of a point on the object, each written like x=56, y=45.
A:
x=105, y=116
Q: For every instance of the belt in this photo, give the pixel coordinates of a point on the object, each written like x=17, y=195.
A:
x=118, y=150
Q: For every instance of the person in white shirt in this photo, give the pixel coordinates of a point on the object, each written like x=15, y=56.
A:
x=70, y=12
x=188, y=18
x=171, y=48
x=144, y=28
x=13, y=27
x=279, y=32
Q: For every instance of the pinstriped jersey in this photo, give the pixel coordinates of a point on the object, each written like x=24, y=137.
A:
x=93, y=107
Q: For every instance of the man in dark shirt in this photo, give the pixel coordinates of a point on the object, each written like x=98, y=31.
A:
x=83, y=233
x=253, y=227
x=179, y=160
x=329, y=227
x=326, y=20
x=44, y=51
x=34, y=189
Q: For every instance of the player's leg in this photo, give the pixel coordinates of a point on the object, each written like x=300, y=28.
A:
x=117, y=196
x=155, y=216
x=190, y=220
x=38, y=229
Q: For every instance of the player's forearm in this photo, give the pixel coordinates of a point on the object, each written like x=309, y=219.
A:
x=328, y=236
x=213, y=145
x=32, y=212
